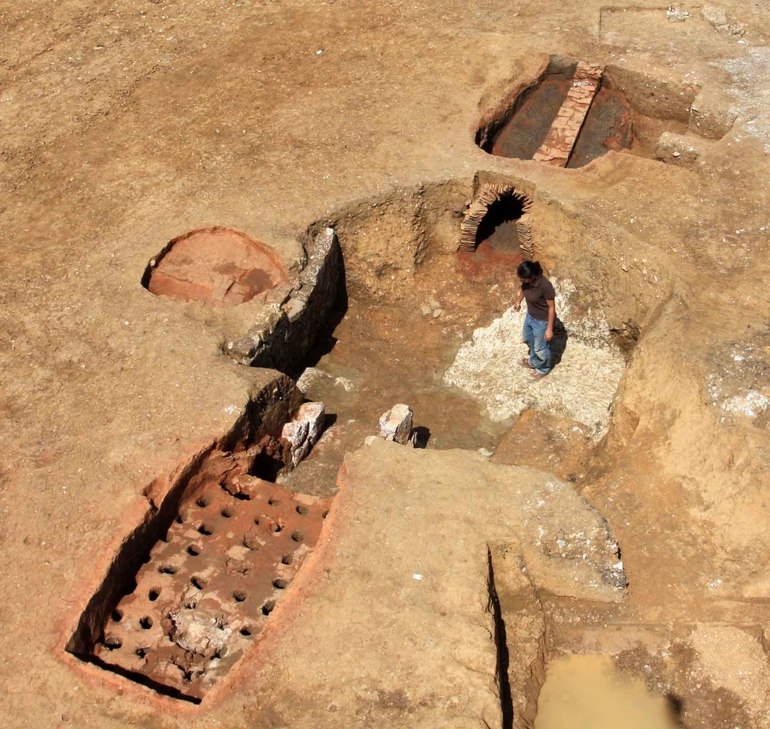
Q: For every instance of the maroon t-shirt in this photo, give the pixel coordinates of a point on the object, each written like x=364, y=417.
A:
x=536, y=294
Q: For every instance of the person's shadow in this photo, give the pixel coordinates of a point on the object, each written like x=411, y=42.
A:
x=559, y=341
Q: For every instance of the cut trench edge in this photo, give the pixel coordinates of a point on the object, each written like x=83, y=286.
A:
x=501, y=647
x=138, y=678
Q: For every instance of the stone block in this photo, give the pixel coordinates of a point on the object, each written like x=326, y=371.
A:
x=301, y=433
x=396, y=424
x=243, y=486
x=294, y=308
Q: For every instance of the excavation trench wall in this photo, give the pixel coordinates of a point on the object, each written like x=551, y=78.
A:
x=385, y=240
x=286, y=331
x=617, y=280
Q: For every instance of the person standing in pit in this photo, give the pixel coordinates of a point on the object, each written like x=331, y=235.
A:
x=541, y=315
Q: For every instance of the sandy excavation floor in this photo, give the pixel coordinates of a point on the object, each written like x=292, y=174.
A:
x=128, y=124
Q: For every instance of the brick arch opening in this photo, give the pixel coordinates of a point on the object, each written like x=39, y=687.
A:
x=496, y=204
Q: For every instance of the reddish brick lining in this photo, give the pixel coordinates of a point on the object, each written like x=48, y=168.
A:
x=560, y=140
x=490, y=193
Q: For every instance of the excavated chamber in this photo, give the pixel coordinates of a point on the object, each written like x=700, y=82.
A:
x=194, y=584
x=574, y=112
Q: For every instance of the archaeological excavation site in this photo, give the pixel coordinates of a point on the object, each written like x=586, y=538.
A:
x=279, y=447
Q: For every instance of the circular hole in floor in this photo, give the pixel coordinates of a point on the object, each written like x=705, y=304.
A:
x=268, y=607
x=246, y=631
x=153, y=594
x=198, y=581
x=298, y=536
x=287, y=559
x=117, y=615
x=202, y=501
x=227, y=513
x=302, y=510
x=276, y=528
x=168, y=569
x=112, y=641
x=193, y=550
x=142, y=652
x=273, y=502
x=206, y=529
x=240, y=595
x=325, y=514
x=145, y=622
x=280, y=583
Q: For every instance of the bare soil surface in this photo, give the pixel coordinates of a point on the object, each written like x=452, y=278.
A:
x=129, y=124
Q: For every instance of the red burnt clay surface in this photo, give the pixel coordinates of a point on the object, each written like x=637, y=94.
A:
x=219, y=266
x=494, y=264
x=208, y=590
x=315, y=560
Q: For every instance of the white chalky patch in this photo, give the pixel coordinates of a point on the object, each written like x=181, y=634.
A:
x=581, y=387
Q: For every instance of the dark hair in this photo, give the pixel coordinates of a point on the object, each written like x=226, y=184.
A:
x=529, y=269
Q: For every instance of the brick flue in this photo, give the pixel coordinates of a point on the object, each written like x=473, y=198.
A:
x=560, y=140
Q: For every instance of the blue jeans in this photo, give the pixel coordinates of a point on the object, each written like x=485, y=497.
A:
x=539, y=348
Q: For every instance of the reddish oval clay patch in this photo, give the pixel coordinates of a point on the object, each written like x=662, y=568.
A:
x=219, y=266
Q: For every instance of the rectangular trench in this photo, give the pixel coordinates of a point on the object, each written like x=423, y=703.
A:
x=193, y=585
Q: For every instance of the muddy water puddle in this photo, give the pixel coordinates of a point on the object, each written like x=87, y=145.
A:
x=586, y=692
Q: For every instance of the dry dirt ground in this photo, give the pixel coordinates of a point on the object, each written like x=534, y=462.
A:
x=128, y=123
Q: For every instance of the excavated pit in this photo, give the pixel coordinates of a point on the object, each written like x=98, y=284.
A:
x=423, y=316
x=219, y=266
x=427, y=320
x=416, y=291
x=193, y=586
x=574, y=112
